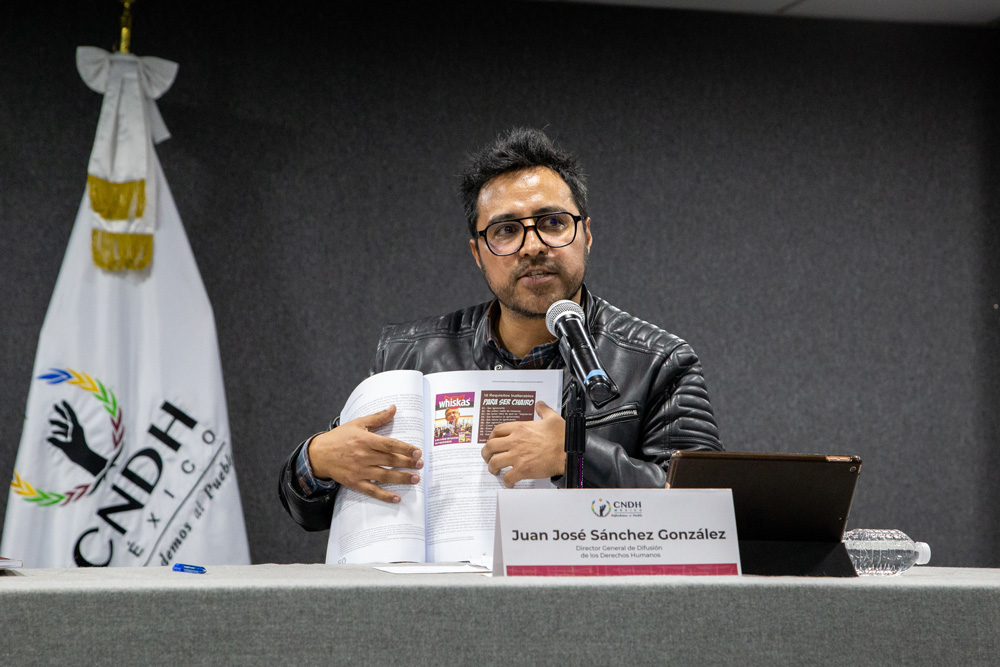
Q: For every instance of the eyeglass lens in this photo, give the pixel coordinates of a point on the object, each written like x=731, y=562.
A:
x=555, y=230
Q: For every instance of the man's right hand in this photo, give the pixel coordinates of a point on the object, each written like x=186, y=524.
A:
x=355, y=457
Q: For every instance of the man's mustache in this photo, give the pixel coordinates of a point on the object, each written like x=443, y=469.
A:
x=530, y=265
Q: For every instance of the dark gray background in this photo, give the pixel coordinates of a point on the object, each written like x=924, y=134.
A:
x=812, y=204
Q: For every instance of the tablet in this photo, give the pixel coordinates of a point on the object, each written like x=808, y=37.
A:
x=787, y=497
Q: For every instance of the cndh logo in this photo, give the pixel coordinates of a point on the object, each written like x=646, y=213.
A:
x=601, y=507
x=67, y=434
x=616, y=508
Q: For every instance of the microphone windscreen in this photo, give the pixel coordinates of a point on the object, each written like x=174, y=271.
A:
x=558, y=310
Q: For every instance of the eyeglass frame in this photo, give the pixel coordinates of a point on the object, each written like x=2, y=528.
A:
x=524, y=237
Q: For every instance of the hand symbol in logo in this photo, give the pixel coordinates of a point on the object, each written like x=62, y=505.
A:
x=67, y=435
x=601, y=507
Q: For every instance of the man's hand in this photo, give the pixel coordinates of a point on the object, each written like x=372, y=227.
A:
x=532, y=450
x=355, y=457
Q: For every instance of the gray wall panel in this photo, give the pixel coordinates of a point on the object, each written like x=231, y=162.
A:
x=812, y=204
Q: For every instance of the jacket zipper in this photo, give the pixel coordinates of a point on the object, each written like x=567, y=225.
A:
x=622, y=414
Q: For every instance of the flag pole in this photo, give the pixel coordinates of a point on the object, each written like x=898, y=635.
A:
x=125, y=44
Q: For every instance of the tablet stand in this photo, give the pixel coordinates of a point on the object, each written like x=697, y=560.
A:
x=795, y=559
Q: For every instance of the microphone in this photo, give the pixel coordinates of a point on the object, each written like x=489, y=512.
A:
x=565, y=320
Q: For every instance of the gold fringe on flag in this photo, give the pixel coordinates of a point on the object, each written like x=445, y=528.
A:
x=117, y=201
x=118, y=252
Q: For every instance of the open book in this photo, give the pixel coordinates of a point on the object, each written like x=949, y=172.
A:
x=450, y=514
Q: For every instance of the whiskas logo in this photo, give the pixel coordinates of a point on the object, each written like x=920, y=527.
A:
x=463, y=400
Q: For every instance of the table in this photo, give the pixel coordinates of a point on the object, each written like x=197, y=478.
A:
x=352, y=614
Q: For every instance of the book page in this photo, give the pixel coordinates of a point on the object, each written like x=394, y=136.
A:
x=462, y=407
x=366, y=530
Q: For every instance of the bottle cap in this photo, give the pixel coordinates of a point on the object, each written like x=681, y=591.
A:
x=923, y=553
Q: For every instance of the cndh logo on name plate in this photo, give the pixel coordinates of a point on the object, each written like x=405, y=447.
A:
x=601, y=507
x=616, y=508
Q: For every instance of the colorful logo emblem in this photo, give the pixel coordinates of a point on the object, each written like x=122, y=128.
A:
x=601, y=507
x=67, y=434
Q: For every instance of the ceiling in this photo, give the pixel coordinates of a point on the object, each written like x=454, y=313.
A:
x=965, y=12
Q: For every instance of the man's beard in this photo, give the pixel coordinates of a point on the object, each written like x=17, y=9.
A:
x=514, y=303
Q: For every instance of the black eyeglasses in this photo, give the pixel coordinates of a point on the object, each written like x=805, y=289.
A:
x=505, y=237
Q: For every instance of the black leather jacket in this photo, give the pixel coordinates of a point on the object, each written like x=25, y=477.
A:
x=663, y=406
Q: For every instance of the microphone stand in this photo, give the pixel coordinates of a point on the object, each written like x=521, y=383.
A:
x=586, y=380
x=576, y=435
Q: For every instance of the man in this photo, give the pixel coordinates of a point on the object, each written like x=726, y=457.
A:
x=526, y=205
x=451, y=416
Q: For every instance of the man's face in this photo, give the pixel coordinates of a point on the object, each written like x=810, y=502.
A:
x=536, y=276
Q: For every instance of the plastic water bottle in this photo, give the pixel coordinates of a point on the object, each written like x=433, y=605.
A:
x=884, y=552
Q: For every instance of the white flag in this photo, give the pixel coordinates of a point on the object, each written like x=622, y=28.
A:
x=125, y=455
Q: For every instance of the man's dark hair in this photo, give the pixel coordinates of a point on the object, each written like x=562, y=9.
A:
x=520, y=148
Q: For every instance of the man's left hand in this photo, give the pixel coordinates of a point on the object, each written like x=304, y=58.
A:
x=532, y=450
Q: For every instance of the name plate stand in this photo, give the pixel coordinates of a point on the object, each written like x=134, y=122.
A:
x=607, y=532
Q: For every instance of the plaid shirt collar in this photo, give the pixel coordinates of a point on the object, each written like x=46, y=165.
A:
x=541, y=356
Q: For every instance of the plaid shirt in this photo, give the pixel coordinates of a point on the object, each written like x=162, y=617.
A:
x=308, y=482
x=541, y=356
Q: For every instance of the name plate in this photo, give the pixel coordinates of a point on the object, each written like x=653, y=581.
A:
x=599, y=532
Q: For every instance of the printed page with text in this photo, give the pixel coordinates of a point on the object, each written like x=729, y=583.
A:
x=450, y=514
